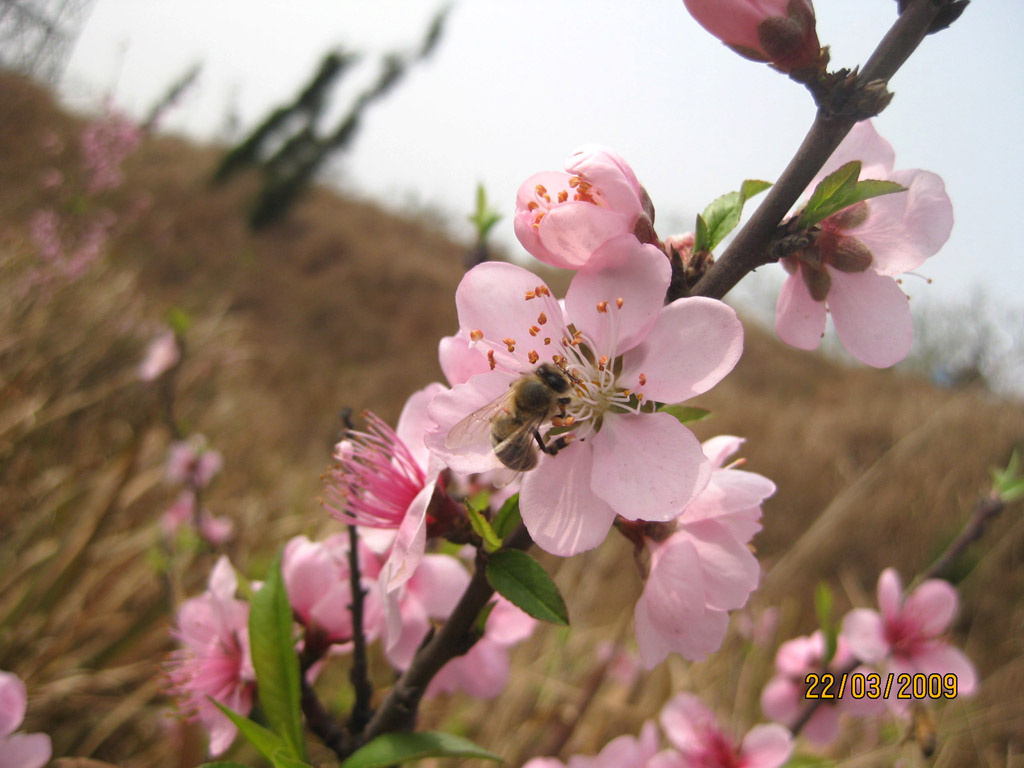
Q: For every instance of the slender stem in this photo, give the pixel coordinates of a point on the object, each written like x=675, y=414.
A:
x=359, y=675
x=398, y=710
x=749, y=249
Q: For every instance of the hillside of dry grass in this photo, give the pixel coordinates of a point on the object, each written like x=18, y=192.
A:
x=342, y=305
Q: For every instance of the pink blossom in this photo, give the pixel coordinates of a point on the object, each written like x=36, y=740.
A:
x=192, y=463
x=907, y=634
x=105, y=145
x=562, y=218
x=624, y=352
x=704, y=568
x=622, y=752
x=18, y=750
x=216, y=530
x=214, y=659
x=778, y=31
x=387, y=479
x=849, y=268
x=162, y=354
x=783, y=698
x=431, y=592
x=692, y=729
x=317, y=577
x=483, y=670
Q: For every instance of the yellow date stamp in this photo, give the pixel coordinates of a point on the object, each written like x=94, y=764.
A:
x=872, y=685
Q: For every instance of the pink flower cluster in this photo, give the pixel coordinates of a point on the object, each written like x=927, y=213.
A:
x=697, y=742
x=18, y=750
x=850, y=268
x=105, y=145
x=192, y=465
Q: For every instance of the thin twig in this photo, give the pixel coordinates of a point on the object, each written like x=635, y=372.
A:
x=359, y=675
x=749, y=249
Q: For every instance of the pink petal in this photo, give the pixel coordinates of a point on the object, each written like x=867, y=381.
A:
x=719, y=449
x=507, y=624
x=729, y=491
x=573, y=231
x=823, y=727
x=902, y=230
x=332, y=611
x=685, y=721
x=623, y=269
x=414, y=422
x=942, y=659
x=799, y=319
x=13, y=700
x=730, y=571
x=25, y=750
x=309, y=572
x=406, y=634
x=223, y=581
x=781, y=699
x=605, y=169
x=438, y=584
x=872, y=317
x=410, y=541
x=647, y=466
x=561, y=512
x=890, y=593
x=460, y=361
x=766, y=746
x=865, y=634
x=694, y=344
x=931, y=607
x=862, y=143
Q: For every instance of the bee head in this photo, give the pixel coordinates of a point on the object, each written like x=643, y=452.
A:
x=553, y=377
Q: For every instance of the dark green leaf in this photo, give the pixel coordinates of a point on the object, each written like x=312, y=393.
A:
x=522, y=580
x=393, y=748
x=685, y=413
x=823, y=607
x=507, y=519
x=840, y=190
x=483, y=529
x=275, y=661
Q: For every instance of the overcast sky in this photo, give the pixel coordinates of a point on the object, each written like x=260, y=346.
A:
x=515, y=86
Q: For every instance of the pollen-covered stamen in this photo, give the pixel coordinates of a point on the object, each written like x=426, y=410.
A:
x=490, y=359
x=547, y=339
x=476, y=335
x=602, y=306
x=510, y=343
x=532, y=356
x=602, y=362
x=563, y=195
x=642, y=378
x=531, y=295
x=618, y=303
x=542, y=318
x=534, y=330
x=376, y=478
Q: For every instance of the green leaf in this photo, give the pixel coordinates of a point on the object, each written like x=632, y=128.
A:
x=685, y=413
x=722, y=215
x=701, y=236
x=223, y=764
x=393, y=748
x=483, y=529
x=508, y=518
x=1008, y=484
x=267, y=742
x=823, y=607
x=840, y=190
x=522, y=580
x=484, y=217
x=275, y=661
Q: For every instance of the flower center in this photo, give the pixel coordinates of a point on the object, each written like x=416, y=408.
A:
x=577, y=190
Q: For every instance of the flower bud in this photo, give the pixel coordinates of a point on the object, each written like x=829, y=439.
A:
x=780, y=32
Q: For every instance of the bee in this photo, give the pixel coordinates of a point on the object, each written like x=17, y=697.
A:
x=514, y=419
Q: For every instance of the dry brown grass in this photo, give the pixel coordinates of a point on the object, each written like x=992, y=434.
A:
x=343, y=305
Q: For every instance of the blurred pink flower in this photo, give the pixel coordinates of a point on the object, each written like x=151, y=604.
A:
x=562, y=218
x=105, y=144
x=483, y=670
x=622, y=752
x=907, y=635
x=783, y=698
x=18, y=750
x=704, y=568
x=624, y=352
x=316, y=575
x=216, y=530
x=431, y=592
x=851, y=266
x=162, y=354
x=692, y=729
x=778, y=31
x=214, y=659
x=192, y=463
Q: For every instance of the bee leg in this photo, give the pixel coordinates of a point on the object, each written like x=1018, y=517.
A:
x=554, y=446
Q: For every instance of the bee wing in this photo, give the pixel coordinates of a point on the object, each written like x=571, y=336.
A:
x=476, y=427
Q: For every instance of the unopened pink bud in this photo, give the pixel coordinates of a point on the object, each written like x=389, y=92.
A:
x=781, y=32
